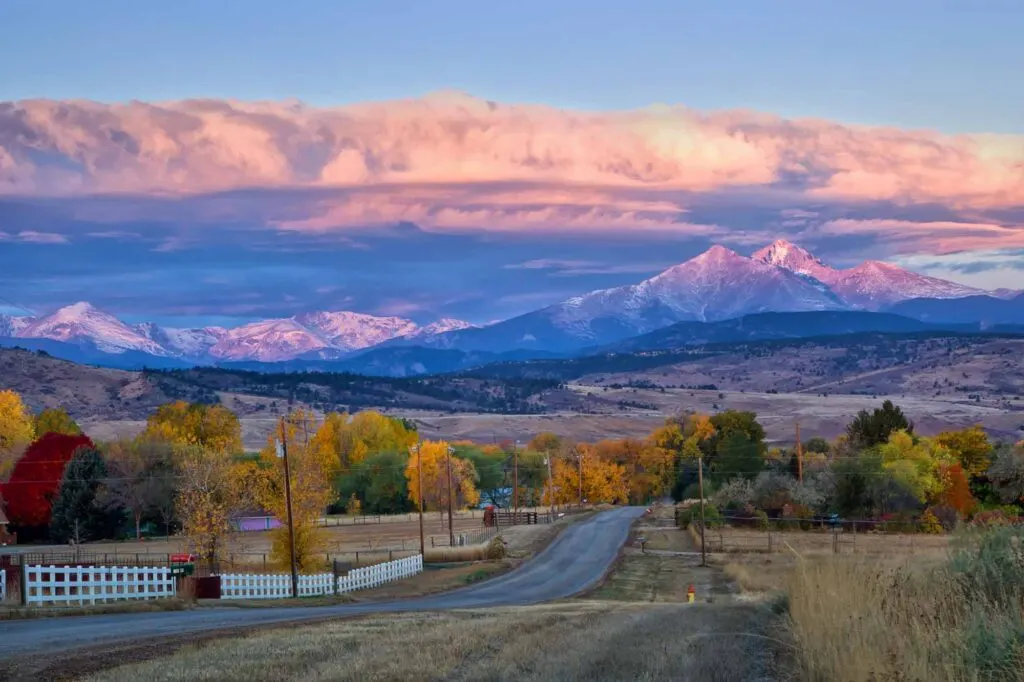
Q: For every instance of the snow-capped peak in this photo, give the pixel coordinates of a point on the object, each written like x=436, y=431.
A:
x=445, y=324
x=787, y=255
x=84, y=322
x=346, y=330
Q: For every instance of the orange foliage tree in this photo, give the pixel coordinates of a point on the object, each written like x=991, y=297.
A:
x=436, y=490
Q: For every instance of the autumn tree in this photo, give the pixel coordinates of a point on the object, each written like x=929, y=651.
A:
x=956, y=489
x=35, y=479
x=79, y=514
x=207, y=499
x=970, y=446
x=142, y=479
x=312, y=490
x=436, y=489
x=915, y=463
x=56, y=420
x=16, y=431
x=207, y=427
x=345, y=440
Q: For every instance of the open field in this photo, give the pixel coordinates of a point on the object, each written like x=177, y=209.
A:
x=251, y=550
x=777, y=412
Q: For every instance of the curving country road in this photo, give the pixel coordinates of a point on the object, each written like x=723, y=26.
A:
x=574, y=562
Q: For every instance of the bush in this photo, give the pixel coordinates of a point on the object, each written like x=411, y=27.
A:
x=930, y=524
x=496, y=548
x=948, y=517
x=762, y=519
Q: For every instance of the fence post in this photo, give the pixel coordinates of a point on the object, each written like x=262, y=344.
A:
x=24, y=583
x=770, y=542
x=835, y=542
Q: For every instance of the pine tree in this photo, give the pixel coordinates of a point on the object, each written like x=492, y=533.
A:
x=79, y=511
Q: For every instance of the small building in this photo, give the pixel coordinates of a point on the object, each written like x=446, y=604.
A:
x=255, y=521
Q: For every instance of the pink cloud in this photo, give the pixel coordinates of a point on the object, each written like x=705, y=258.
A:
x=200, y=146
x=937, y=237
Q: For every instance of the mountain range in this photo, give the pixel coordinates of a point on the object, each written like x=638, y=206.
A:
x=317, y=335
x=716, y=285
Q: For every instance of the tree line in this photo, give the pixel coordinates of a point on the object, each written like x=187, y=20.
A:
x=188, y=473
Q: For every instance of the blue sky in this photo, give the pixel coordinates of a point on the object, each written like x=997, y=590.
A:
x=951, y=67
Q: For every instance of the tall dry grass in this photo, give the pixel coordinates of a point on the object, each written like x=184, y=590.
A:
x=962, y=620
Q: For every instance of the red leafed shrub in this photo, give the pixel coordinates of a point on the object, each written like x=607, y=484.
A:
x=33, y=484
x=956, y=491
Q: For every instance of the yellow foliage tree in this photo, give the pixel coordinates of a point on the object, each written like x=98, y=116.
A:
x=16, y=431
x=916, y=464
x=208, y=427
x=971, y=446
x=603, y=480
x=435, y=457
x=348, y=439
x=312, y=490
x=207, y=499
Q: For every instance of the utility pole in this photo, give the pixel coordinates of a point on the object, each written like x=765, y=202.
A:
x=419, y=483
x=799, y=455
x=579, y=463
x=283, y=454
x=551, y=488
x=700, y=482
x=515, y=480
x=451, y=499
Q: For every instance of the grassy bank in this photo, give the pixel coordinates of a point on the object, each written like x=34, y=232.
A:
x=961, y=620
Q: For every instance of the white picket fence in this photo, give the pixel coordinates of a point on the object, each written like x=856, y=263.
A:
x=378, y=574
x=95, y=584
x=279, y=585
x=275, y=586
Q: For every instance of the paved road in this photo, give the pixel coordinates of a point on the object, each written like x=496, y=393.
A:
x=575, y=561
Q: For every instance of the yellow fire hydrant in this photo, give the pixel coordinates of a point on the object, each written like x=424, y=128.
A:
x=691, y=594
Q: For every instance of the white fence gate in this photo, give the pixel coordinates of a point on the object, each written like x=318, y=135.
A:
x=91, y=584
x=279, y=585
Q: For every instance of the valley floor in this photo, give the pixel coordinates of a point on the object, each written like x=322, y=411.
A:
x=644, y=409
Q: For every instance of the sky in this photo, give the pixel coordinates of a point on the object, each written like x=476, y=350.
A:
x=218, y=162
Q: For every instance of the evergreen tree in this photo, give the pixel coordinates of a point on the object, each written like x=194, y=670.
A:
x=874, y=428
x=738, y=457
x=79, y=511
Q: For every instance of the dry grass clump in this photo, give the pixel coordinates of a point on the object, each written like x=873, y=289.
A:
x=961, y=621
x=491, y=551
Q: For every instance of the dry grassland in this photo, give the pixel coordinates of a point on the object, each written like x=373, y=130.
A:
x=576, y=641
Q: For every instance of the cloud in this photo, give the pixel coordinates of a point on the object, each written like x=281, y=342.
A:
x=940, y=237
x=549, y=264
x=202, y=146
x=32, y=237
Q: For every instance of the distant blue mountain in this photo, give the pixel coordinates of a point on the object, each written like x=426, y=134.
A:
x=987, y=310
x=89, y=354
x=769, y=326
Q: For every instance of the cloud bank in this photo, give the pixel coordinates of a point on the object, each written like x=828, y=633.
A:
x=464, y=207
x=423, y=159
